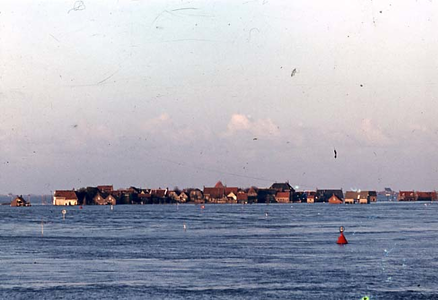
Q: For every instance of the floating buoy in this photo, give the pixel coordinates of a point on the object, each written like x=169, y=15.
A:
x=185, y=226
x=112, y=207
x=80, y=207
x=341, y=239
x=63, y=213
x=202, y=206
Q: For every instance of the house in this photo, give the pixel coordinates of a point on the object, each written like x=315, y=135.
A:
x=310, y=196
x=178, y=196
x=159, y=195
x=242, y=197
x=183, y=197
x=266, y=195
x=65, y=197
x=127, y=196
x=426, y=196
x=364, y=197
x=351, y=197
x=219, y=193
x=104, y=199
x=373, y=196
x=334, y=199
x=282, y=197
x=281, y=190
x=323, y=195
x=229, y=190
x=174, y=195
x=19, y=201
x=361, y=197
x=195, y=195
x=86, y=195
x=123, y=196
x=232, y=197
x=215, y=195
x=407, y=196
x=252, y=194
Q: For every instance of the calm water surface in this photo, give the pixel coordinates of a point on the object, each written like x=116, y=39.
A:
x=226, y=252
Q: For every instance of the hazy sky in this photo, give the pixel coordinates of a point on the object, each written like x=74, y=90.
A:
x=186, y=93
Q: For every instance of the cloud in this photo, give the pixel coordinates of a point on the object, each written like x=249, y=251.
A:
x=261, y=127
x=169, y=128
x=372, y=134
x=160, y=121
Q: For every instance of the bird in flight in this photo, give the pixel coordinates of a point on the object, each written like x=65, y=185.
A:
x=294, y=71
x=336, y=153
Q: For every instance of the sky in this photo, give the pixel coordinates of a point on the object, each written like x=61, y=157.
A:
x=186, y=93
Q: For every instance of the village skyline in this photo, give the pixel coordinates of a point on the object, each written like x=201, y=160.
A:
x=222, y=194
x=281, y=192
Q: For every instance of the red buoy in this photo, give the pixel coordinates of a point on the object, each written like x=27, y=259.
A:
x=341, y=239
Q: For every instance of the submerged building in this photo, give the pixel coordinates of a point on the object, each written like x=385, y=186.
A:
x=65, y=197
x=19, y=201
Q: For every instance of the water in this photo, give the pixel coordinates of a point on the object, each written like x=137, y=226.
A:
x=226, y=252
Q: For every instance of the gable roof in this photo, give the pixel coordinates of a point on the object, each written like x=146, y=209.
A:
x=104, y=195
x=20, y=198
x=252, y=191
x=335, y=197
x=133, y=189
x=280, y=186
x=66, y=194
x=19, y=201
x=351, y=195
x=219, y=185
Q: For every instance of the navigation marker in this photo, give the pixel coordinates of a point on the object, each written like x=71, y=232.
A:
x=341, y=239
